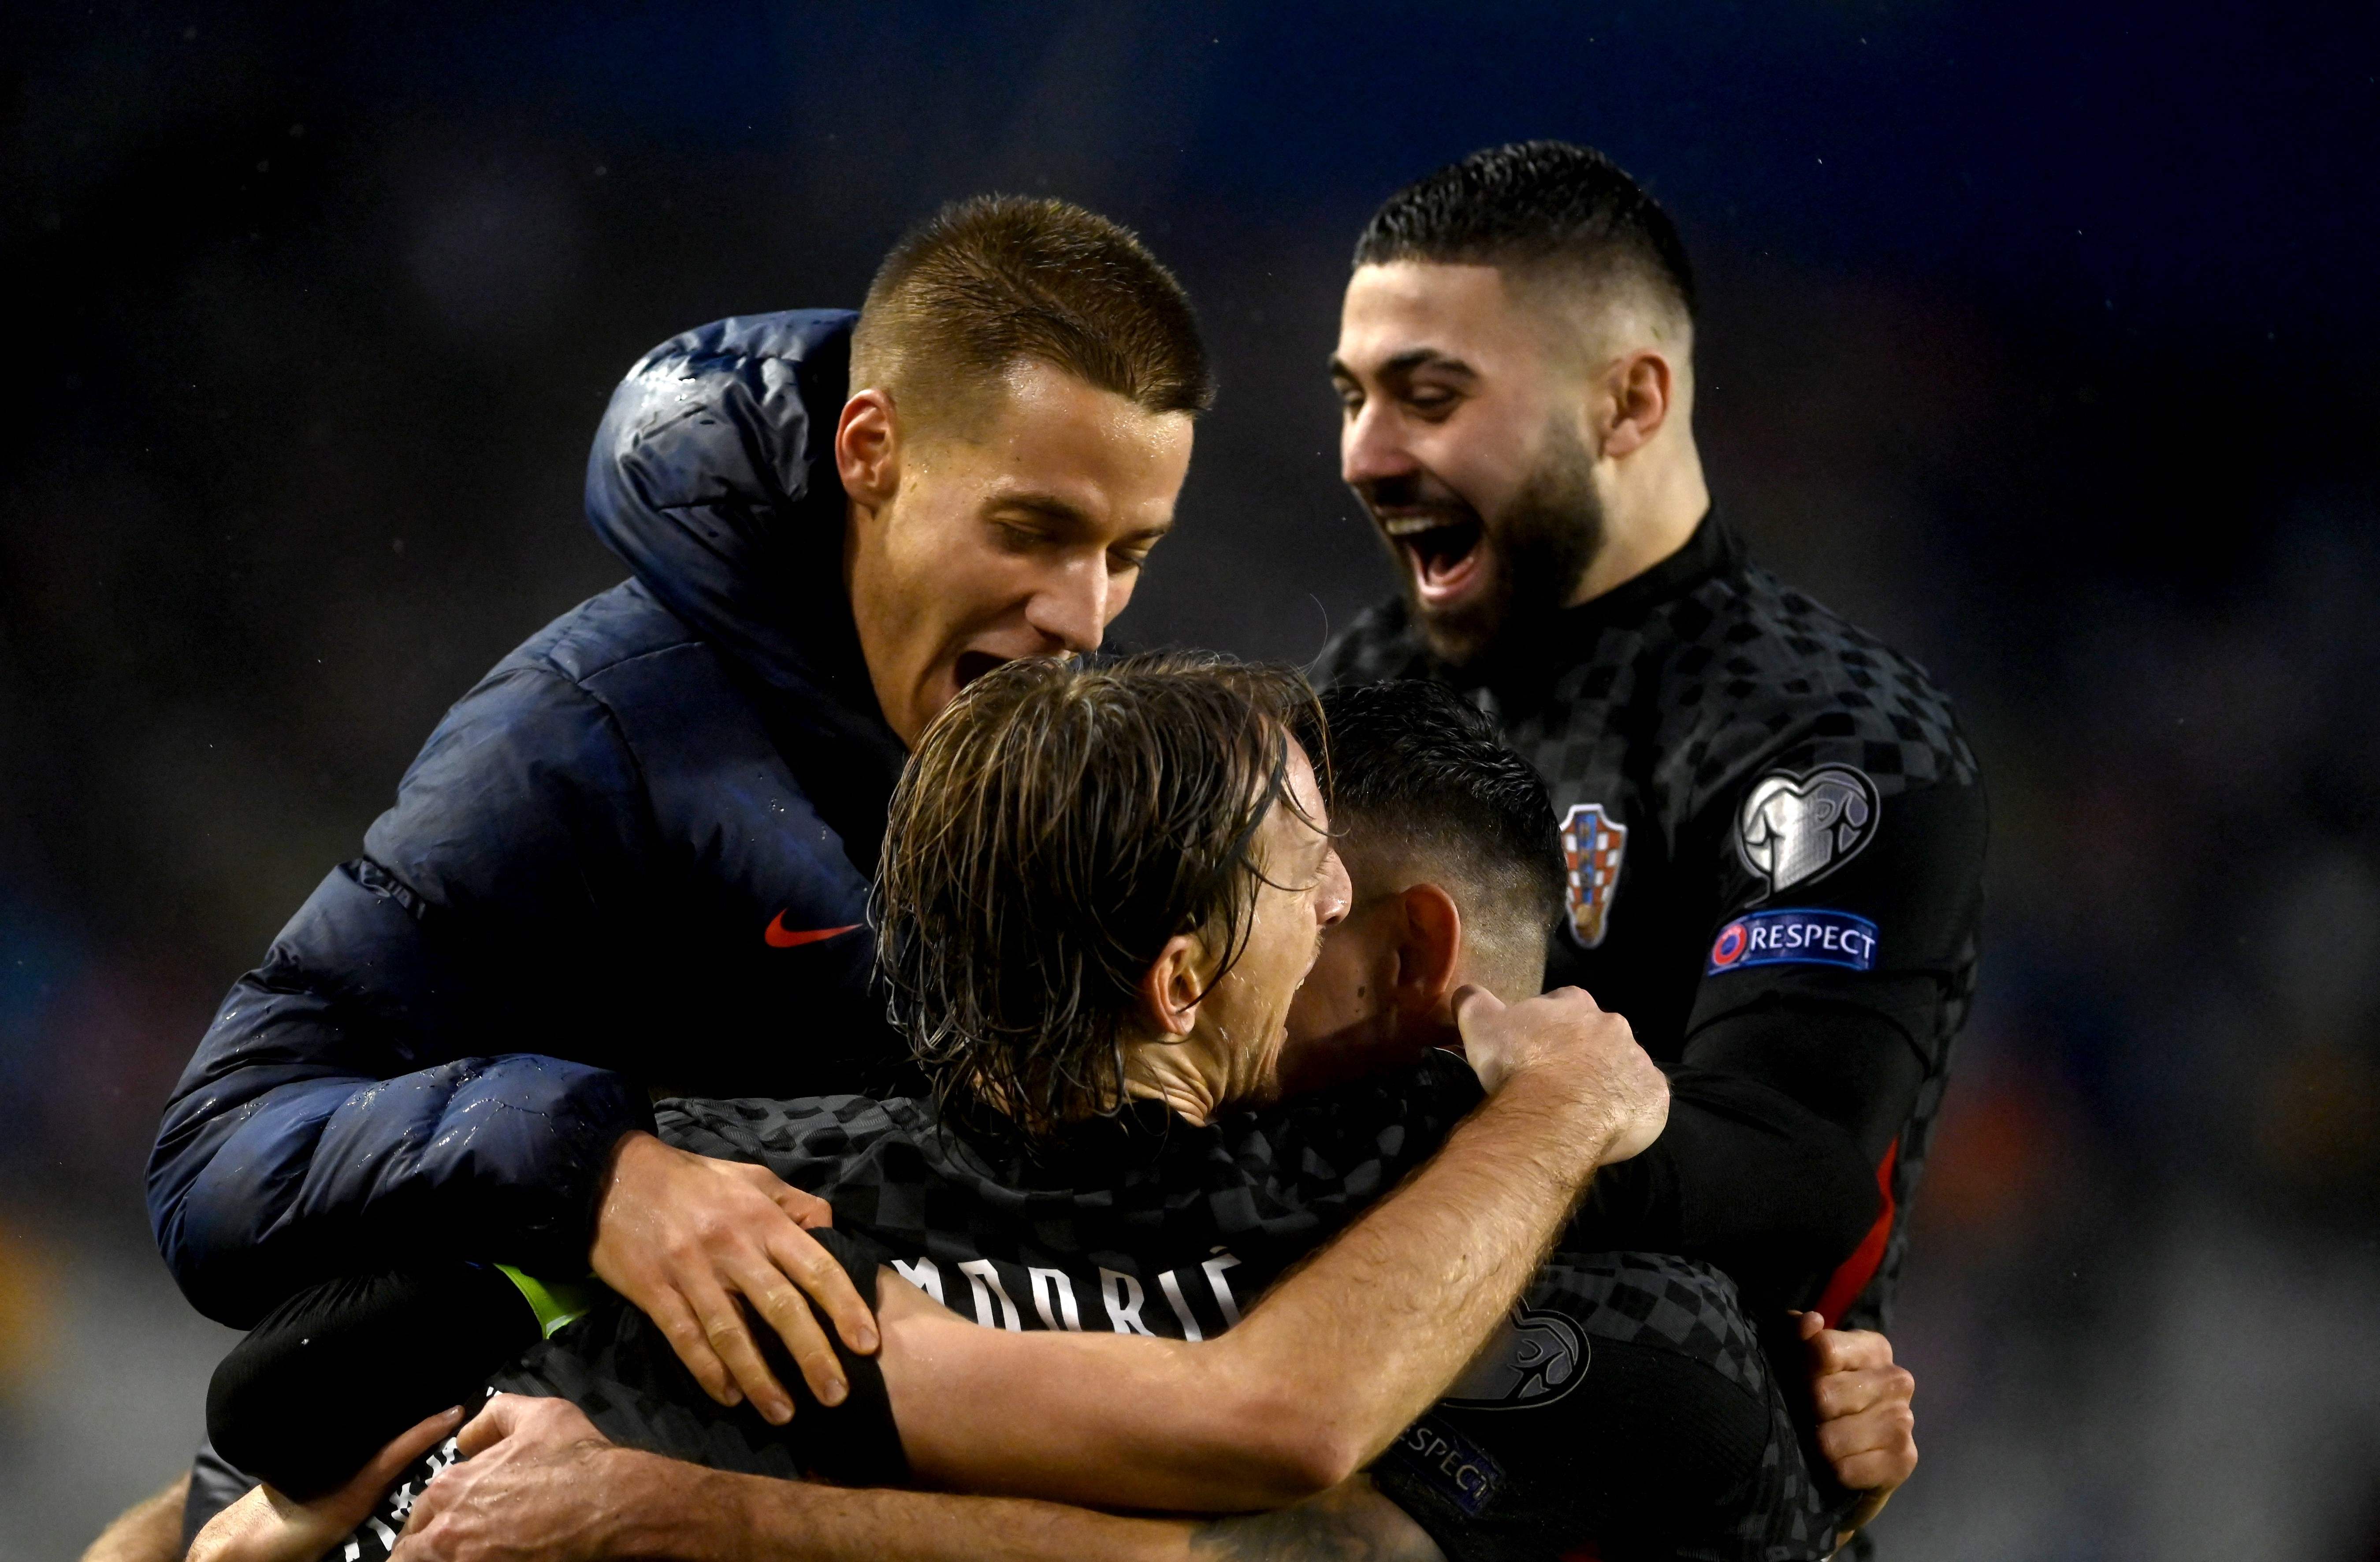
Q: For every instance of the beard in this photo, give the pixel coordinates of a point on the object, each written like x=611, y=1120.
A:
x=1545, y=539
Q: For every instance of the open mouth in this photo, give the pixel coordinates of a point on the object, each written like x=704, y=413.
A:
x=972, y=665
x=1444, y=550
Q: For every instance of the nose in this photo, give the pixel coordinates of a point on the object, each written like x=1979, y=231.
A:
x=1371, y=446
x=1335, y=894
x=1072, y=608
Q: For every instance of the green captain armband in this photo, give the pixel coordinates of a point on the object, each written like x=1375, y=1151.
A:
x=557, y=1303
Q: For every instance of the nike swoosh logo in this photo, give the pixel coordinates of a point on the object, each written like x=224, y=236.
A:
x=781, y=936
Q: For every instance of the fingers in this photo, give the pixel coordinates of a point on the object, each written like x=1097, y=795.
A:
x=814, y=1269
x=344, y=1509
x=809, y=1211
x=1472, y=1003
x=1877, y=1471
x=1847, y=1394
x=687, y=1337
x=1877, y=1448
x=786, y=1311
x=408, y=1445
x=728, y=1333
x=1834, y=1350
x=497, y=1420
x=530, y=1418
x=1809, y=1324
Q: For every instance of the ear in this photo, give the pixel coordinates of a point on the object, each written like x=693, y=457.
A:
x=1429, y=948
x=867, y=447
x=1172, y=988
x=1638, y=391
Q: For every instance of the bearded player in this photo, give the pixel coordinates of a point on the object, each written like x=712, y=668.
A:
x=1773, y=829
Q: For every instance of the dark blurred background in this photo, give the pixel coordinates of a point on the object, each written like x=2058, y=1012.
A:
x=2039, y=339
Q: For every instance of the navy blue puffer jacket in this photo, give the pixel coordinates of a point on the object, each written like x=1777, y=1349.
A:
x=633, y=860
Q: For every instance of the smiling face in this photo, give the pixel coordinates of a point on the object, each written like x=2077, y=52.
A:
x=1464, y=436
x=1018, y=531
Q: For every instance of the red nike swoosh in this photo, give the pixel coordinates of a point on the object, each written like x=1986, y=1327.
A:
x=781, y=936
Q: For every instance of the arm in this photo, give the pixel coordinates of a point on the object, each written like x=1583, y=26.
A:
x=264, y=1526
x=522, y=1492
x=1796, y=1079
x=371, y=1071
x=150, y=1531
x=365, y=1091
x=1341, y=1356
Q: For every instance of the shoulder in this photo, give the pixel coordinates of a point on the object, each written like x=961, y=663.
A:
x=1763, y=676
x=809, y=1130
x=610, y=630
x=1357, y=1137
x=1655, y=1299
x=1380, y=644
x=562, y=692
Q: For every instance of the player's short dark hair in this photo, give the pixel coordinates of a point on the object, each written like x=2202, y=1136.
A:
x=1415, y=766
x=987, y=282
x=1057, y=825
x=1534, y=203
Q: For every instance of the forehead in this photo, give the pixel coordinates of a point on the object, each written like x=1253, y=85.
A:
x=1393, y=311
x=1285, y=824
x=1041, y=417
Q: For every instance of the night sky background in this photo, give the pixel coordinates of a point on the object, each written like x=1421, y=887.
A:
x=2040, y=340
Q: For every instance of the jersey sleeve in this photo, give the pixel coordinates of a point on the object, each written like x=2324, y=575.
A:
x=1625, y=1409
x=393, y=1079
x=1837, y=966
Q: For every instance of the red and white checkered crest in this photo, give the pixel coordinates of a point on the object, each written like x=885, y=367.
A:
x=1592, y=847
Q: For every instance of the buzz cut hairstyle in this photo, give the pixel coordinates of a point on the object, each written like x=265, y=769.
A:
x=1534, y=204
x=1414, y=768
x=990, y=282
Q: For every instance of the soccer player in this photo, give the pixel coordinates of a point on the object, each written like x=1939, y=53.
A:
x=635, y=857
x=1055, y=826
x=1773, y=829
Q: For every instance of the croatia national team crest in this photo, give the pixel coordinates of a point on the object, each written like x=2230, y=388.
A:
x=1592, y=846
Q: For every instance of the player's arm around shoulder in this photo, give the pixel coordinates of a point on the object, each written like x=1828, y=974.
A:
x=1335, y=1361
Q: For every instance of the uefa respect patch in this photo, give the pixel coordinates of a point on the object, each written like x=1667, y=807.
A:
x=1794, y=938
x=1460, y=1470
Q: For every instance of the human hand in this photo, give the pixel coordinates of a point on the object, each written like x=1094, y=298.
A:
x=1866, y=1428
x=1567, y=1035
x=683, y=1236
x=536, y=1479
x=264, y=1526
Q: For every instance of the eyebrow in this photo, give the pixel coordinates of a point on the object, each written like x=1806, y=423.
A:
x=1051, y=507
x=1406, y=362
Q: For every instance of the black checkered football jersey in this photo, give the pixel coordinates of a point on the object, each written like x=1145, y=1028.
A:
x=1625, y=1405
x=1542, y=1444
x=1140, y=1223
x=1774, y=833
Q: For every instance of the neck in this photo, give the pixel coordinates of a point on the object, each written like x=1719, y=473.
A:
x=1169, y=1071
x=1652, y=502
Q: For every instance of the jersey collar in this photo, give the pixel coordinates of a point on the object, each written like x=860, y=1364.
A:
x=1524, y=670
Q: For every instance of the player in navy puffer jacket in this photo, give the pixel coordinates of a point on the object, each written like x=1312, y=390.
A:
x=636, y=855
x=634, y=859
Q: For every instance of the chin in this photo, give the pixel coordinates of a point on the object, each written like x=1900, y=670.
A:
x=1462, y=630
x=1460, y=638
